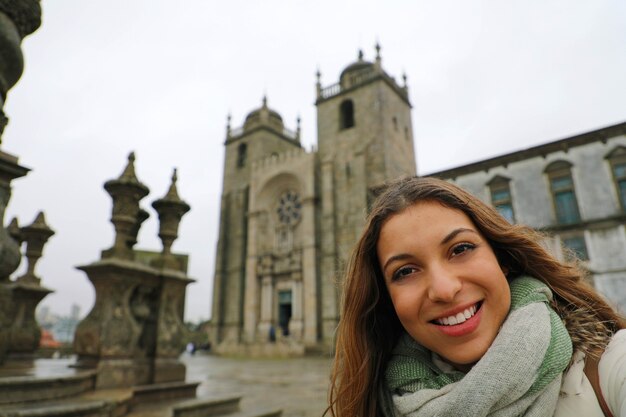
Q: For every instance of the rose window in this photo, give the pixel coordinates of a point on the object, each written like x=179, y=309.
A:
x=289, y=208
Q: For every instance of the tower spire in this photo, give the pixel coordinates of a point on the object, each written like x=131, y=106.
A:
x=318, y=82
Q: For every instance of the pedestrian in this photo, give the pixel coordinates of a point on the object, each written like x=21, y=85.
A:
x=449, y=310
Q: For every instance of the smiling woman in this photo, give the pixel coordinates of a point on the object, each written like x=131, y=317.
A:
x=448, y=309
x=444, y=280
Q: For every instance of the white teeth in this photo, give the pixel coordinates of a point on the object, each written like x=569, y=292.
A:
x=457, y=318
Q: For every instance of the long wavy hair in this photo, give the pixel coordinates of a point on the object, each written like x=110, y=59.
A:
x=369, y=327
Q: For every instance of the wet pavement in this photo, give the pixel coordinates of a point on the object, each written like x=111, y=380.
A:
x=297, y=385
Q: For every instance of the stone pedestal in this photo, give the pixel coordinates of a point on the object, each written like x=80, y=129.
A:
x=25, y=332
x=134, y=333
x=10, y=257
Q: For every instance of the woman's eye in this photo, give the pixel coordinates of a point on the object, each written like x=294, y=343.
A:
x=403, y=272
x=461, y=248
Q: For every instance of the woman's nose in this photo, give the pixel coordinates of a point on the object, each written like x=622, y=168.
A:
x=443, y=285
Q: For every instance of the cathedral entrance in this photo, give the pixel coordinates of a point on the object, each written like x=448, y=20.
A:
x=284, y=311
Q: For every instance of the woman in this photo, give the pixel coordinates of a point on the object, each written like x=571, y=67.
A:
x=449, y=310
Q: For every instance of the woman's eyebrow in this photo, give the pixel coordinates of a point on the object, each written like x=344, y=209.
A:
x=455, y=232
x=398, y=257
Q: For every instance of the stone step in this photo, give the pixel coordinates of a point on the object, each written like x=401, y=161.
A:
x=26, y=389
x=201, y=407
x=70, y=409
x=198, y=407
x=204, y=407
x=146, y=394
x=104, y=403
x=257, y=413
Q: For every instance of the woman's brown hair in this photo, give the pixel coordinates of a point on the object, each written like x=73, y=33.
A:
x=369, y=328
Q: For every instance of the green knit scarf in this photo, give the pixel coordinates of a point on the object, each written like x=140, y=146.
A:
x=411, y=369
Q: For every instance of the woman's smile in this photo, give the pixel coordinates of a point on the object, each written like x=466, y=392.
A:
x=444, y=280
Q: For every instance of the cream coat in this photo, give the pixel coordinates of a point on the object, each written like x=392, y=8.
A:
x=577, y=395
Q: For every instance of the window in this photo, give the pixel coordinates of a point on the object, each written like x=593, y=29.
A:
x=501, y=197
x=346, y=114
x=563, y=194
x=241, y=155
x=577, y=246
x=617, y=160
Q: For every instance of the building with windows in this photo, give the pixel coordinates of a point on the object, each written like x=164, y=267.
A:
x=289, y=216
x=574, y=189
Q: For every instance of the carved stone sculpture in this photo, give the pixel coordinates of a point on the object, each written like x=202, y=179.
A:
x=134, y=333
x=18, y=18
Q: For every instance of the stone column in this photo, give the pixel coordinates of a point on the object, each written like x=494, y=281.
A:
x=309, y=273
x=18, y=18
x=10, y=255
x=296, y=325
x=267, y=306
x=329, y=304
x=250, y=301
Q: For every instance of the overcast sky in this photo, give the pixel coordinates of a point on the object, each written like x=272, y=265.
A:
x=158, y=77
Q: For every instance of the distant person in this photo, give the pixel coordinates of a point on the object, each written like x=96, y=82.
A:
x=272, y=334
x=449, y=310
x=191, y=348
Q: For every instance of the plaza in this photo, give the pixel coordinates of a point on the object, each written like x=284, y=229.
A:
x=298, y=386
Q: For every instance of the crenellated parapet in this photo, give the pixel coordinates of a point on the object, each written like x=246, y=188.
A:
x=290, y=156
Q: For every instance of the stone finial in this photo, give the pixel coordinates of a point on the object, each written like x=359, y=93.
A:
x=142, y=216
x=360, y=55
x=404, y=78
x=265, y=101
x=14, y=230
x=25, y=14
x=298, y=127
x=126, y=192
x=36, y=235
x=4, y=121
x=228, y=119
x=129, y=172
x=171, y=210
x=378, y=60
x=318, y=82
x=172, y=193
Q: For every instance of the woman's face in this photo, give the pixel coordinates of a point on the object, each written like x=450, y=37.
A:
x=445, y=282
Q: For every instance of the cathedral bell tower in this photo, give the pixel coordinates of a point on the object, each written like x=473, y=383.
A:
x=365, y=138
x=262, y=135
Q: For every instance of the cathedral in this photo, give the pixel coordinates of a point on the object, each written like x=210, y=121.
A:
x=289, y=217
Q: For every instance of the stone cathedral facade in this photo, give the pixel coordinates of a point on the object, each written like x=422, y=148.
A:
x=290, y=217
